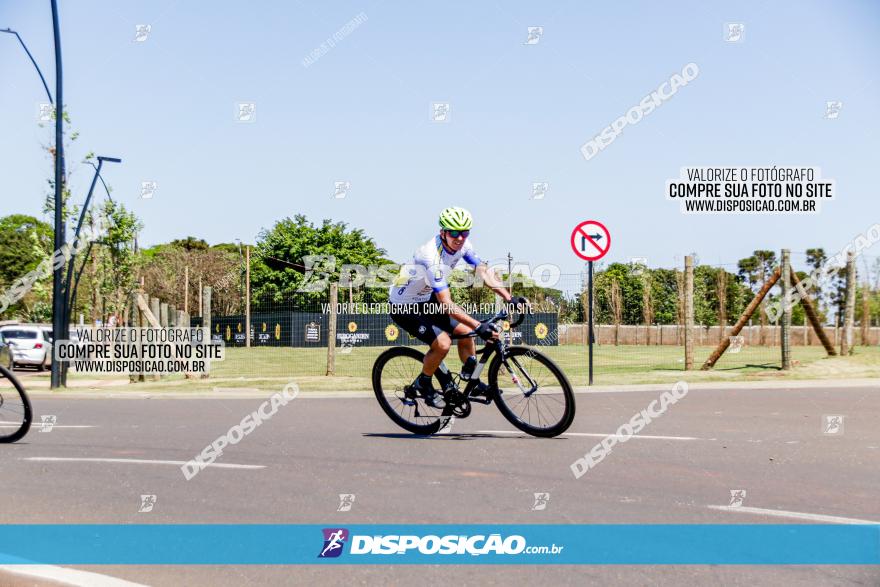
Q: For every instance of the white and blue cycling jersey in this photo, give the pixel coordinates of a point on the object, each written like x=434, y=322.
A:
x=428, y=271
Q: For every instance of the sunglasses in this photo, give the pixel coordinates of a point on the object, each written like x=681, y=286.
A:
x=458, y=233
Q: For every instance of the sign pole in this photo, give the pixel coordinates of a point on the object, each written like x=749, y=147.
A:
x=590, y=241
x=590, y=313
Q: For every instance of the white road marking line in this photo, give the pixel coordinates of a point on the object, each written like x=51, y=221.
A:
x=787, y=514
x=37, y=425
x=138, y=462
x=67, y=576
x=596, y=435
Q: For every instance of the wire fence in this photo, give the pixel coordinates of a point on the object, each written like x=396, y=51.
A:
x=639, y=333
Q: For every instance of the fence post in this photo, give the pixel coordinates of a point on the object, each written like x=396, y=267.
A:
x=156, y=309
x=155, y=306
x=205, y=309
x=163, y=315
x=136, y=321
x=866, y=314
x=786, y=309
x=247, y=299
x=846, y=343
x=331, y=330
x=688, y=312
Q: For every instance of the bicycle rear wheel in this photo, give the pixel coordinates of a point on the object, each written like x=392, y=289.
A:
x=393, y=373
x=15, y=408
x=535, y=395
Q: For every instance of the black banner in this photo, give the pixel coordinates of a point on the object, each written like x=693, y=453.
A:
x=309, y=329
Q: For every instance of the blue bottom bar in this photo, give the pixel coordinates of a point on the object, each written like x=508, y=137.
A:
x=276, y=544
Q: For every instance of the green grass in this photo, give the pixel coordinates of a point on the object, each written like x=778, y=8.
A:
x=272, y=367
x=611, y=365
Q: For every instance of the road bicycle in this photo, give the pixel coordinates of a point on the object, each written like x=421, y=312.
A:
x=528, y=388
x=15, y=408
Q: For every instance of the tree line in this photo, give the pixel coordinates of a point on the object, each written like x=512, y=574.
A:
x=625, y=293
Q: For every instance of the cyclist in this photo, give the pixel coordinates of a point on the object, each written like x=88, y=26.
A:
x=422, y=305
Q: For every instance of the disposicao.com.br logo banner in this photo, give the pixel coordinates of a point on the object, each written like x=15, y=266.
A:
x=283, y=544
x=430, y=544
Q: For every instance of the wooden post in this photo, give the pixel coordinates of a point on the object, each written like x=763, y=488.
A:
x=155, y=309
x=688, y=312
x=201, y=305
x=786, y=309
x=331, y=330
x=186, y=290
x=866, y=315
x=172, y=315
x=206, y=307
x=812, y=316
x=136, y=321
x=247, y=298
x=849, y=312
x=148, y=318
x=163, y=321
x=756, y=301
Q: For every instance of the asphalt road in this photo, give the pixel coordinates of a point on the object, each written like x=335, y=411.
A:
x=769, y=443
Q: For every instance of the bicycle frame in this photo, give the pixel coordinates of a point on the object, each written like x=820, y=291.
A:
x=485, y=354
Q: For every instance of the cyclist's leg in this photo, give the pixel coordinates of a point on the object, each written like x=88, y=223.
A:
x=435, y=355
x=432, y=331
x=467, y=347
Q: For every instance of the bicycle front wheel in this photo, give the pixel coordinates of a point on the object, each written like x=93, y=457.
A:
x=393, y=373
x=15, y=408
x=532, y=392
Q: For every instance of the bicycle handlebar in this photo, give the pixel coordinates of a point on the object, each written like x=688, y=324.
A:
x=502, y=314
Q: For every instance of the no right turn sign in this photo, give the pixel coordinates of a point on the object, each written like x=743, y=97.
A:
x=590, y=240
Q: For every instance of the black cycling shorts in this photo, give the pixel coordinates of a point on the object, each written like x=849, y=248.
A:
x=421, y=325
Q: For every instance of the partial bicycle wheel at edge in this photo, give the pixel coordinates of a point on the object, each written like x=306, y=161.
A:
x=549, y=410
x=393, y=370
x=15, y=408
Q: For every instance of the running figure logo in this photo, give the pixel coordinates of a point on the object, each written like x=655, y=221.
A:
x=832, y=109
x=832, y=424
x=539, y=189
x=334, y=540
x=48, y=422
x=734, y=32
x=737, y=496
x=541, y=501
x=346, y=500
x=147, y=503
x=535, y=34
x=736, y=343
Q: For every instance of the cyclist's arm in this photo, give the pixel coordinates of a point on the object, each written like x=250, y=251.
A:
x=488, y=277
x=484, y=275
x=454, y=310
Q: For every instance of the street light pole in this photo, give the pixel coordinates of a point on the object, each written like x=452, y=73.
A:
x=31, y=57
x=70, y=289
x=58, y=300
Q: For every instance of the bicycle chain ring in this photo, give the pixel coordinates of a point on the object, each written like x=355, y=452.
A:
x=458, y=403
x=462, y=410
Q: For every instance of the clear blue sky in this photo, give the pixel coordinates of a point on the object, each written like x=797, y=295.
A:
x=520, y=113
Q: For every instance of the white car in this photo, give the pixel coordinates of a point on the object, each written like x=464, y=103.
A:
x=30, y=345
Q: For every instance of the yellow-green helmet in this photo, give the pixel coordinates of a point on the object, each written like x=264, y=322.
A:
x=456, y=218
